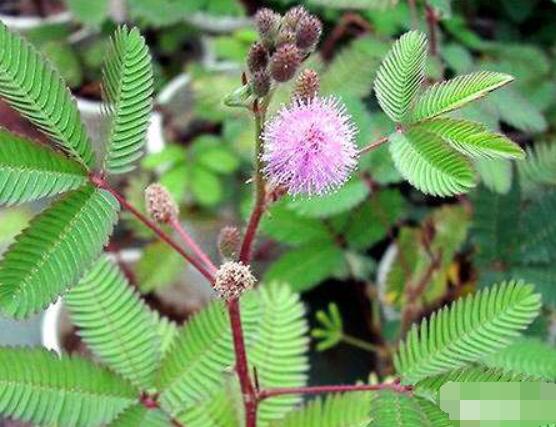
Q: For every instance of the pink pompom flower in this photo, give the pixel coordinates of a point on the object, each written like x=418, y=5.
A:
x=309, y=146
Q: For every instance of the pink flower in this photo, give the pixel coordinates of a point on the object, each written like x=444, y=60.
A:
x=309, y=147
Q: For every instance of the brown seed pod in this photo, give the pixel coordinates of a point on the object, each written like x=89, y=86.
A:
x=293, y=16
x=267, y=23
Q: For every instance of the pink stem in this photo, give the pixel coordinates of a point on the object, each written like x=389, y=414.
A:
x=188, y=240
x=100, y=182
x=395, y=386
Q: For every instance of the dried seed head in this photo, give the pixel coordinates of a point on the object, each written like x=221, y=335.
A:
x=307, y=85
x=257, y=59
x=308, y=32
x=229, y=240
x=261, y=83
x=267, y=23
x=160, y=204
x=293, y=16
x=284, y=62
x=233, y=279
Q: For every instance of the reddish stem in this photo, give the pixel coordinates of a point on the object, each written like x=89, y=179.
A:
x=242, y=366
x=251, y=232
x=395, y=386
x=373, y=145
x=100, y=182
x=190, y=242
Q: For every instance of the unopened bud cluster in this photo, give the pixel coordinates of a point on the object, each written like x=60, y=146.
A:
x=285, y=41
x=160, y=205
x=233, y=279
x=229, y=241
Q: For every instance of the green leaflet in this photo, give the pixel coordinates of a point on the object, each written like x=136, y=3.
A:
x=391, y=409
x=528, y=356
x=336, y=410
x=473, y=139
x=401, y=74
x=39, y=387
x=467, y=331
x=139, y=416
x=429, y=164
x=116, y=325
x=128, y=87
x=449, y=95
x=194, y=371
x=55, y=250
x=430, y=387
x=29, y=171
x=38, y=92
x=540, y=165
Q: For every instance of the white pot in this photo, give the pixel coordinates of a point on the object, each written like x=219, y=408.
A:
x=217, y=24
x=26, y=23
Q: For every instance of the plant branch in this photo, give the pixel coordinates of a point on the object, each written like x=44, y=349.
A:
x=260, y=192
x=100, y=182
x=190, y=242
x=413, y=293
x=363, y=345
x=432, y=21
x=373, y=145
x=394, y=386
x=242, y=366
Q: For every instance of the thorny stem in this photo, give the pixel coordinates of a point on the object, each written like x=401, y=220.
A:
x=373, y=145
x=190, y=242
x=100, y=182
x=394, y=386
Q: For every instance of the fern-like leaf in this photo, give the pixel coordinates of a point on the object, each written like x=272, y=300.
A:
x=540, y=165
x=55, y=250
x=429, y=164
x=469, y=330
x=202, y=356
x=391, y=409
x=116, y=325
x=430, y=387
x=31, y=86
x=336, y=410
x=473, y=139
x=38, y=387
x=447, y=96
x=128, y=87
x=277, y=348
x=401, y=74
x=527, y=356
x=140, y=416
x=29, y=171
x=538, y=231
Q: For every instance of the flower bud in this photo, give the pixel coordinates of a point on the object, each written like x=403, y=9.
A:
x=160, y=205
x=308, y=32
x=285, y=36
x=261, y=82
x=257, y=59
x=284, y=62
x=307, y=85
x=229, y=240
x=293, y=16
x=267, y=23
x=233, y=279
